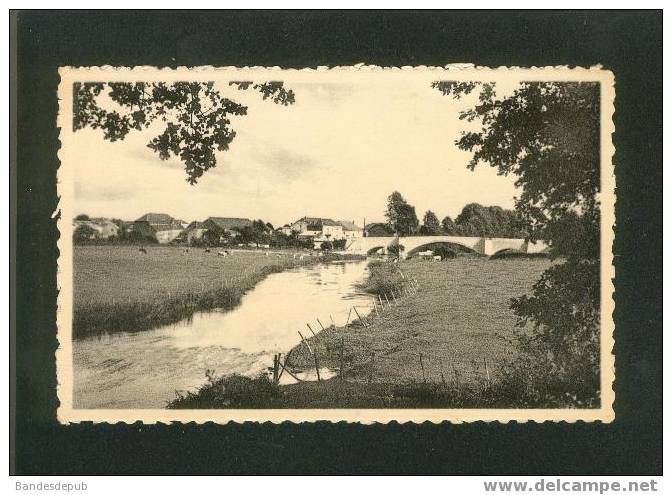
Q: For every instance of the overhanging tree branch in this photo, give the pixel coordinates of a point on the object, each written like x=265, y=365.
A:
x=190, y=133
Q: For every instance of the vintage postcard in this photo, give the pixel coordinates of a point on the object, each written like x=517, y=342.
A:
x=360, y=244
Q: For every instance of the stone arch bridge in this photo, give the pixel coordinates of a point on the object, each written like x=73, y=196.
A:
x=412, y=244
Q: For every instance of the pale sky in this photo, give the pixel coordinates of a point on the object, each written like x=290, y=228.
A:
x=338, y=152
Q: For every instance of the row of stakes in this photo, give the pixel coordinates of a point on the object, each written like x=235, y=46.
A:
x=390, y=298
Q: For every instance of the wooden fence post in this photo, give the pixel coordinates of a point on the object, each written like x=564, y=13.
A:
x=360, y=318
x=276, y=365
x=286, y=361
x=314, y=354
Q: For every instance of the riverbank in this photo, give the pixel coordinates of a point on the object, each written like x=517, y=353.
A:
x=441, y=338
x=117, y=288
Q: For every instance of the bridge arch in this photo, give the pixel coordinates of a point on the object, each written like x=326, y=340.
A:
x=506, y=252
x=517, y=253
x=456, y=247
x=375, y=250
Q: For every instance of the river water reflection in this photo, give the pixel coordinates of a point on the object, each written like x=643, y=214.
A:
x=144, y=369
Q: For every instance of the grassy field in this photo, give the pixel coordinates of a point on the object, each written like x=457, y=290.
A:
x=458, y=320
x=117, y=288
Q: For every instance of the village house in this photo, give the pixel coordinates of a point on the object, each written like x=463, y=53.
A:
x=307, y=227
x=159, y=226
x=220, y=229
x=102, y=228
x=285, y=229
x=318, y=229
x=321, y=230
x=350, y=230
x=193, y=232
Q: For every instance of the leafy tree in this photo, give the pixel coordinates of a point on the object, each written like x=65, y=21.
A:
x=83, y=217
x=547, y=134
x=84, y=233
x=246, y=235
x=489, y=221
x=395, y=249
x=339, y=243
x=449, y=227
x=257, y=233
x=430, y=224
x=475, y=220
x=196, y=115
x=400, y=215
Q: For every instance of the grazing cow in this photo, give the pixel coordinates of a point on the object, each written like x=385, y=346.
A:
x=222, y=253
x=206, y=250
x=186, y=250
x=143, y=250
x=437, y=258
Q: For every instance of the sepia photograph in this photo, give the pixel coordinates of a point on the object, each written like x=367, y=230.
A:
x=407, y=250
x=350, y=243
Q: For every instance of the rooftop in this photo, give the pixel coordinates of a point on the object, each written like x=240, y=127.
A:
x=227, y=223
x=319, y=222
x=347, y=225
x=155, y=218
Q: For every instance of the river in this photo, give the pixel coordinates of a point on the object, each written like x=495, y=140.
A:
x=144, y=369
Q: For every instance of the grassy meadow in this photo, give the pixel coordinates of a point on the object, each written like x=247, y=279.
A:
x=117, y=288
x=458, y=319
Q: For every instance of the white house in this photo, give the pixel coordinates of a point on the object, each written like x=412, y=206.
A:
x=321, y=230
x=285, y=229
x=317, y=228
x=350, y=230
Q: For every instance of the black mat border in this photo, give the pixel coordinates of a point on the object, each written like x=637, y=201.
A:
x=629, y=43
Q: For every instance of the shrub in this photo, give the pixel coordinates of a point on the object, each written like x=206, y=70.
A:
x=395, y=249
x=339, y=243
x=383, y=277
x=232, y=391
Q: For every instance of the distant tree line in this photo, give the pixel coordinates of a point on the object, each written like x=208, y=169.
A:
x=474, y=220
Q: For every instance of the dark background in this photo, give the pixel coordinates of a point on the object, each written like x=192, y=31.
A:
x=628, y=43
